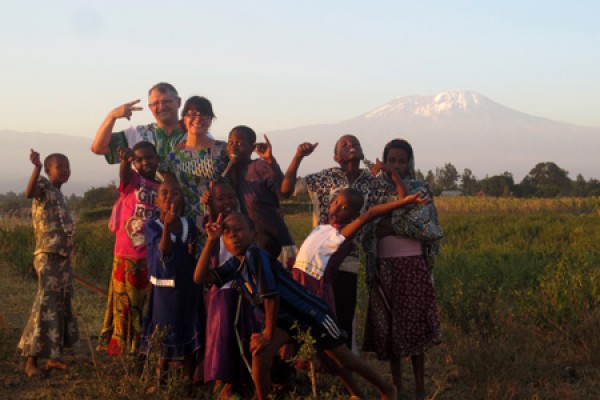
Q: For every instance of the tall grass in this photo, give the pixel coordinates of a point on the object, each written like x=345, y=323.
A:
x=518, y=286
x=462, y=205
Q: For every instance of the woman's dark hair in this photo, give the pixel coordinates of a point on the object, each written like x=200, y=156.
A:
x=398, y=144
x=199, y=104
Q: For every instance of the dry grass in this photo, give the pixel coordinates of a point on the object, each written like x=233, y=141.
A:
x=493, y=347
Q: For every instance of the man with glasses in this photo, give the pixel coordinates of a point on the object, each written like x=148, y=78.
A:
x=165, y=133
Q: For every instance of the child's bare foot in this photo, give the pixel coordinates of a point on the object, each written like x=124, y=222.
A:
x=31, y=369
x=56, y=364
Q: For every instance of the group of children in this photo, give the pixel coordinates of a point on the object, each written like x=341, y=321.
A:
x=226, y=296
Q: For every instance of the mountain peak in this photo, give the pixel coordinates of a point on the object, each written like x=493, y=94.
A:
x=446, y=102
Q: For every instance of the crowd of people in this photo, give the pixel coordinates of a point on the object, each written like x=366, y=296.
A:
x=204, y=259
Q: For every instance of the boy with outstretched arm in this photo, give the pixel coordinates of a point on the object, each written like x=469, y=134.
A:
x=269, y=286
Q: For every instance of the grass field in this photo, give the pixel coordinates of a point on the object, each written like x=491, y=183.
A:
x=518, y=285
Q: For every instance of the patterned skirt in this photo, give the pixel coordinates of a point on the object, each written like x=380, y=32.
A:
x=51, y=325
x=127, y=298
x=402, y=316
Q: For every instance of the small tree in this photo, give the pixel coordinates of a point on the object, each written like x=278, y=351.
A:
x=100, y=197
x=447, y=176
x=469, y=183
x=547, y=179
x=498, y=185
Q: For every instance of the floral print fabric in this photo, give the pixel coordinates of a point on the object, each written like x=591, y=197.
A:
x=128, y=295
x=51, y=325
x=52, y=221
x=402, y=316
x=194, y=170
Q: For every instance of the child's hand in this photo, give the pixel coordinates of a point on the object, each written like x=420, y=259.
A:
x=258, y=343
x=417, y=198
x=34, y=157
x=125, y=154
x=214, y=229
x=264, y=150
x=306, y=149
x=171, y=215
x=205, y=199
x=375, y=168
x=379, y=166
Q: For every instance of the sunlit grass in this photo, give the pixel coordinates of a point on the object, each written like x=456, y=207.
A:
x=518, y=285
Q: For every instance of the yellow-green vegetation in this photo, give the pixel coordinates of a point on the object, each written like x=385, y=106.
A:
x=518, y=286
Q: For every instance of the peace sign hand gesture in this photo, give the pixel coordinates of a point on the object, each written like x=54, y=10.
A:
x=214, y=229
x=126, y=110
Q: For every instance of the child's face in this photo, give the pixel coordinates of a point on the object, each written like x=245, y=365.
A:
x=59, y=170
x=348, y=148
x=223, y=200
x=341, y=211
x=398, y=159
x=238, y=146
x=169, y=194
x=145, y=161
x=237, y=234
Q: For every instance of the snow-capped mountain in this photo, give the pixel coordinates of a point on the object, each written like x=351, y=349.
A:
x=464, y=128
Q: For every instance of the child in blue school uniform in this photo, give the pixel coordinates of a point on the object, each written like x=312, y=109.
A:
x=175, y=302
x=270, y=287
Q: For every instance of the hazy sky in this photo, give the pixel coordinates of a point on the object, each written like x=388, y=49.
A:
x=281, y=64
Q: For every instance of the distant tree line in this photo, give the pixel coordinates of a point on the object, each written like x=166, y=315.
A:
x=96, y=198
x=546, y=179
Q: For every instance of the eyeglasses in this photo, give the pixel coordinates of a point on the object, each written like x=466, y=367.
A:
x=197, y=115
x=160, y=103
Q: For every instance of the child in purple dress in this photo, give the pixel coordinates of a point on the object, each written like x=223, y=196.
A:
x=269, y=286
x=223, y=362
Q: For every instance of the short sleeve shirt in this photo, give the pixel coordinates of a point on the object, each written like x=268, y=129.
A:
x=322, y=186
x=150, y=133
x=137, y=207
x=261, y=276
x=258, y=191
x=52, y=221
x=317, y=249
